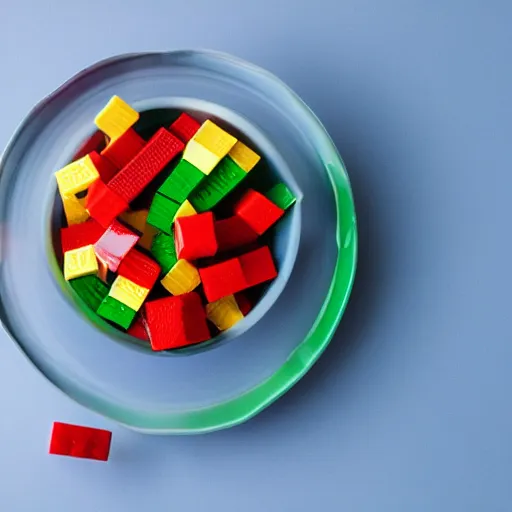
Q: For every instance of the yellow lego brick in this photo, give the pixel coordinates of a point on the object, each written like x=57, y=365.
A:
x=214, y=139
x=244, y=156
x=76, y=176
x=129, y=293
x=200, y=157
x=185, y=210
x=116, y=118
x=182, y=278
x=74, y=210
x=137, y=219
x=80, y=262
x=224, y=313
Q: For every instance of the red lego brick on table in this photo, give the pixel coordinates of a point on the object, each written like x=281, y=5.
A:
x=194, y=236
x=106, y=169
x=104, y=205
x=131, y=180
x=138, y=329
x=232, y=233
x=80, y=235
x=114, y=244
x=257, y=211
x=258, y=266
x=221, y=279
x=139, y=268
x=78, y=441
x=123, y=149
x=176, y=322
x=185, y=127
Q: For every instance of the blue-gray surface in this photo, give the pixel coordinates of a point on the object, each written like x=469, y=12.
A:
x=409, y=409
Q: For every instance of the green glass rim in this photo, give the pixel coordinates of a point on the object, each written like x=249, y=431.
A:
x=244, y=406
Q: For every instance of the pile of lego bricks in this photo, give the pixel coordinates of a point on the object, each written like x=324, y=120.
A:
x=175, y=273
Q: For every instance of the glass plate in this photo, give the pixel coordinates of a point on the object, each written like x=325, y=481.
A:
x=194, y=391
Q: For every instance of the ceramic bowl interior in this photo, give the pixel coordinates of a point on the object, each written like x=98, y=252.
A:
x=283, y=238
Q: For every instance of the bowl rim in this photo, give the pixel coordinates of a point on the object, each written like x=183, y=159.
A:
x=246, y=405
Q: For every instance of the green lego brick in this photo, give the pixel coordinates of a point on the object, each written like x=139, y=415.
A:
x=164, y=251
x=162, y=212
x=181, y=182
x=91, y=289
x=117, y=312
x=281, y=195
x=217, y=185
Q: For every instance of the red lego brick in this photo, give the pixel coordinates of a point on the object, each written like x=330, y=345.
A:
x=232, y=233
x=130, y=181
x=139, y=268
x=194, y=236
x=185, y=127
x=138, y=329
x=258, y=266
x=95, y=143
x=114, y=244
x=120, y=151
x=80, y=235
x=175, y=322
x=222, y=279
x=81, y=442
x=244, y=304
x=257, y=211
x=106, y=169
x=103, y=204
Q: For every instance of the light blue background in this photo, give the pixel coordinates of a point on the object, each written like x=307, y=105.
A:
x=410, y=408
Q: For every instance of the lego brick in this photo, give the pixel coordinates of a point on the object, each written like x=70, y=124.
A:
x=244, y=156
x=281, y=196
x=130, y=181
x=182, y=278
x=114, y=244
x=164, y=251
x=106, y=169
x=214, y=139
x=185, y=210
x=244, y=304
x=162, y=212
x=224, y=313
x=116, y=312
x=80, y=235
x=222, y=279
x=129, y=293
x=138, y=329
x=185, y=127
x=90, y=289
x=116, y=117
x=80, y=262
x=257, y=211
x=195, y=236
x=94, y=143
x=217, y=185
x=74, y=210
x=81, y=442
x=200, y=157
x=258, y=266
x=181, y=182
x=137, y=219
x=233, y=232
x=176, y=322
x=121, y=150
x=103, y=204
x=139, y=268
x=76, y=176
